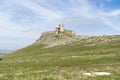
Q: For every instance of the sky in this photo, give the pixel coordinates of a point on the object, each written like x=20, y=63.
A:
x=23, y=21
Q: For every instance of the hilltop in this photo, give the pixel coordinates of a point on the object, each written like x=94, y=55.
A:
x=64, y=37
x=50, y=39
x=59, y=55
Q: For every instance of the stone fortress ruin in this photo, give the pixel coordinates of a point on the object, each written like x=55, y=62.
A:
x=61, y=31
x=59, y=36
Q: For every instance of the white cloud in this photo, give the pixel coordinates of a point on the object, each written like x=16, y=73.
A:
x=38, y=9
x=110, y=23
x=8, y=26
x=111, y=13
x=107, y=18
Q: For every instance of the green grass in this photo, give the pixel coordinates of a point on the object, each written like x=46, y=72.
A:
x=67, y=62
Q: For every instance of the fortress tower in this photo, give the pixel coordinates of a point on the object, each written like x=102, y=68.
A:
x=60, y=29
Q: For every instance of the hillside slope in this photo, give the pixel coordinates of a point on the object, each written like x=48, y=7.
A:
x=66, y=61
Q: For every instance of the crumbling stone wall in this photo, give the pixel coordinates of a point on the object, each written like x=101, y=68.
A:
x=69, y=33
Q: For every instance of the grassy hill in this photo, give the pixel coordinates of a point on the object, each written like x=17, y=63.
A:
x=64, y=62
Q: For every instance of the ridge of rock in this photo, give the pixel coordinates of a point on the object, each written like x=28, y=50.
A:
x=50, y=39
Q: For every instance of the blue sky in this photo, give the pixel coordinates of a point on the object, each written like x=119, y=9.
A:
x=22, y=21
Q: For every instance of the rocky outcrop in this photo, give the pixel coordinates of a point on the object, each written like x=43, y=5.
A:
x=50, y=39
